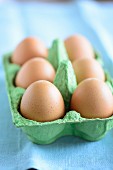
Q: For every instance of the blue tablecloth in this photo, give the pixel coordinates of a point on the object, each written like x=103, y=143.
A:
x=48, y=21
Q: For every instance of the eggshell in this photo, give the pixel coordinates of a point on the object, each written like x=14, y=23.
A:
x=92, y=99
x=33, y=70
x=87, y=68
x=29, y=48
x=78, y=46
x=42, y=102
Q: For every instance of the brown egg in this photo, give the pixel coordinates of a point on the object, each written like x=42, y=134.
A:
x=29, y=48
x=78, y=46
x=92, y=99
x=87, y=68
x=42, y=102
x=33, y=70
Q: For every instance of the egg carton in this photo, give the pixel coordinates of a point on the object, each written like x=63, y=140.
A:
x=65, y=80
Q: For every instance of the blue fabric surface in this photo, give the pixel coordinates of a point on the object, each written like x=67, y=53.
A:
x=49, y=21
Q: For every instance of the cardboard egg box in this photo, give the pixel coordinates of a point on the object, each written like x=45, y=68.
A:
x=65, y=81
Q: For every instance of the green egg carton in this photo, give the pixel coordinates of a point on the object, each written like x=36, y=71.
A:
x=65, y=81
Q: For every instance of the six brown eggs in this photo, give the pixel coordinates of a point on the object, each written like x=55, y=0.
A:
x=42, y=101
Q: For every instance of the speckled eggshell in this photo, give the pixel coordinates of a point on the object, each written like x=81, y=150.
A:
x=87, y=68
x=92, y=99
x=78, y=46
x=33, y=70
x=42, y=102
x=29, y=48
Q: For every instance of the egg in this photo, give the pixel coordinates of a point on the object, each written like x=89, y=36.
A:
x=42, y=102
x=78, y=46
x=33, y=70
x=87, y=68
x=29, y=48
x=92, y=99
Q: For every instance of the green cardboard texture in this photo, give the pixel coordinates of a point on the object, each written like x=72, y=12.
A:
x=65, y=81
x=57, y=53
x=71, y=124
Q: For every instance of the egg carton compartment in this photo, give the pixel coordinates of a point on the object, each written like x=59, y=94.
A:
x=72, y=123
